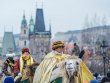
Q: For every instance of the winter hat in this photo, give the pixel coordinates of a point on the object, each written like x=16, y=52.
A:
x=25, y=50
x=9, y=79
x=57, y=44
x=93, y=81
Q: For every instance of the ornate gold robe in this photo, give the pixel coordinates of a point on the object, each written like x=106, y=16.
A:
x=44, y=71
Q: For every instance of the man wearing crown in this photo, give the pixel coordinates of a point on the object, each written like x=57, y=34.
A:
x=56, y=66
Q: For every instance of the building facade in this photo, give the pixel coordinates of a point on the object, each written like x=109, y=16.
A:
x=24, y=39
x=34, y=36
x=89, y=36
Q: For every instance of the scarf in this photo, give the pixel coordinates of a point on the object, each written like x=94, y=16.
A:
x=29, y=61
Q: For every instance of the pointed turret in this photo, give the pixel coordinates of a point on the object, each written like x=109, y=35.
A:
x=31, y=26
x=31, y=22
x=39, y=21
x=24, y=22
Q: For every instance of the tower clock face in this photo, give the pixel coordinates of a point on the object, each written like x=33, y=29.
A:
x=32, y=28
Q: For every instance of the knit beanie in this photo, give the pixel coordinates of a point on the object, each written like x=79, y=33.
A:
x=9, y=79
x=25, y=50
x=93, y=81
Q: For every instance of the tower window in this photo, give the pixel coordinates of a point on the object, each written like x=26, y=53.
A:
x=24, y=43
x=24, y=31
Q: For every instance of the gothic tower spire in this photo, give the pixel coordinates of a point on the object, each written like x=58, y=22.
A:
x=39, y=21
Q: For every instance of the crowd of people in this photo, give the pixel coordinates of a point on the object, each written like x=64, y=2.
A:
x=56, y=67
x=19, y=70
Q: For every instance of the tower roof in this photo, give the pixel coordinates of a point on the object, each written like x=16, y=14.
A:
x=31, y=26
x=31, y=22
x=24, y=22
x=39, y=21
x=8, y=43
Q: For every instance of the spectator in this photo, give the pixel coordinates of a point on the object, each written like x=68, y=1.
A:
x=85, y=51
x=8, y=65
x=9, y=79
x=93, y=81
x=108, y=76
x=85, y=54
x=81, y=54
x=18, y=78
x=76, y=50
x=96, y=75
x=104, y=79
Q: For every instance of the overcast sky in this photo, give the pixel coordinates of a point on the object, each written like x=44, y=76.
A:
x=63, y=15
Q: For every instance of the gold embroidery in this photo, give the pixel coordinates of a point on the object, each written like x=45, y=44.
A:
x=59, y=58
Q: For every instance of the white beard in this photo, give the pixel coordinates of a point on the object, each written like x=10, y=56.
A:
x=70, y=74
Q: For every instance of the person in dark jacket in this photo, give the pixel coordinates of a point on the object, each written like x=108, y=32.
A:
x=108, y=76
x=81, y=54
x=76, y=49
x=96, y=75
x=104, y=80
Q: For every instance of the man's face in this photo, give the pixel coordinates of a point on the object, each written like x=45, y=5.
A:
x=60, y=49
x=87, y=52
x=26, y=53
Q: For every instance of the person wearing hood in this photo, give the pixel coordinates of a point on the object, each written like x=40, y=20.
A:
x=9, y=79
